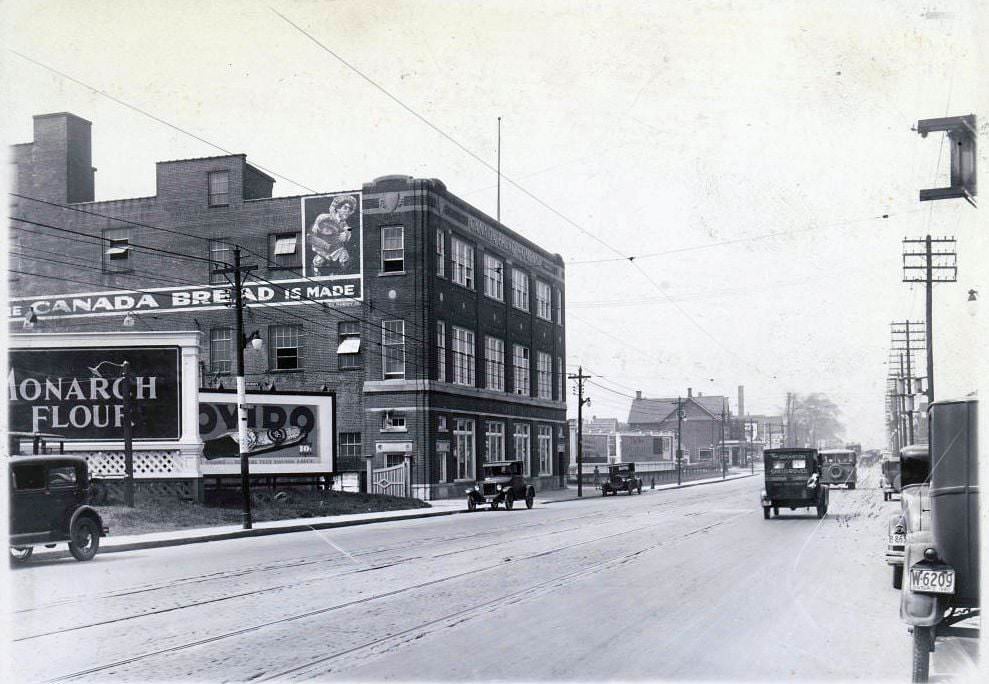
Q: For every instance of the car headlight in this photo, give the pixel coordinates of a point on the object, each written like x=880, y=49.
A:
x=763, y=494
x=499, y=488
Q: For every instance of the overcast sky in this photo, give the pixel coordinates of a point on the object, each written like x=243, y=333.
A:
x=743, y=152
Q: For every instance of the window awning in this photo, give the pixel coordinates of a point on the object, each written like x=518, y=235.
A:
x=285, y=245
x=350, y=345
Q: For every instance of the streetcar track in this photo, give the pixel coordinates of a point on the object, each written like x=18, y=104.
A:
x=376, y=597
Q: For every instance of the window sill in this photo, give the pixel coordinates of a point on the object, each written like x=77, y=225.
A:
x=494, y=299
x=518, y=309
x=385, y=274
x=286, y=370
x=394, y=429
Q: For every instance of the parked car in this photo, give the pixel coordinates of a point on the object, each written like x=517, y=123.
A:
x=49, y=504
x=501, y=482
x=793, y=480
x=838, y=467
x=621, y=478
x=941, y=571
x=889, y=480
x=913, y=522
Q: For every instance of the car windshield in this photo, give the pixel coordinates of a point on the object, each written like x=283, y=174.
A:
x=780, y=464
x=497, y=471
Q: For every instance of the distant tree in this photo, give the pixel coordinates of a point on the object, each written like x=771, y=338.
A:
x=813, y=418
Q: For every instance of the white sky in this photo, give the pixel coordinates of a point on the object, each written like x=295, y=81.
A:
x=653, y=126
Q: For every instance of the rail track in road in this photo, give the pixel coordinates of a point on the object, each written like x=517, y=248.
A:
x=508, y=597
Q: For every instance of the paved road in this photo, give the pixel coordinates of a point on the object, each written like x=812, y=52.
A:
x=668, y=585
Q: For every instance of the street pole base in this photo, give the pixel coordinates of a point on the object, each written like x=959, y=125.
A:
x=246, y=520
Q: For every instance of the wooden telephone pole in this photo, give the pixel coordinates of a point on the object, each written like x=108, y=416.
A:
x=581, y=400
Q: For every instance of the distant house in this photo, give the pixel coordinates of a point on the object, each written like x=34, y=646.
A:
x=701, y=426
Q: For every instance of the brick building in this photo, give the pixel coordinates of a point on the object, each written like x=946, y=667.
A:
x=701, y=425
x=439, y=330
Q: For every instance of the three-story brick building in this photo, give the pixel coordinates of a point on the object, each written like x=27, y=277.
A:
x=440, y=331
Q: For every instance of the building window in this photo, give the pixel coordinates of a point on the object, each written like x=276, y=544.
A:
x=348, y=345
x=392, y=249
x=349, y=447
x=463, y=262
x=117, y=250
x=440, y=253
x=494, y=363
x=493, y=278
x=441, y=351
x=221, y=351
x=463, y=448
x=285, y=251
x=286, y=347
x=522, y=452
x=220, y=256
x=520, y=363
x=558, y=305
x=393, y=422
x=520, y=290
x=544, y=375
x=219, y=188
x=393, y=349
x=545, y=439
x=496, y=442
x=544, y=301
x=463, y=356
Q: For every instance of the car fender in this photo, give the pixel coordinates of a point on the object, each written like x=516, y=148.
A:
x=90, y=512
x=919, y=610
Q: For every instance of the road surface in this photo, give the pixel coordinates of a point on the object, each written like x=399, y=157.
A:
x=680, y=584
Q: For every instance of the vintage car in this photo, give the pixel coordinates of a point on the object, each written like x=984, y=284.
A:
x=889, y=479
x=793, y=480
x=838, y=467
x=501, y=482
x=49, y=497
x=913, y=522
x=621, y=478
x=941, y=570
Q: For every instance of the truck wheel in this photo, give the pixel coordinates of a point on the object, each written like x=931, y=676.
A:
x=85, y=539
x=851, y=485
x=765, y=512
x=494, y=505
x=897, y=576
x=509, y=500
x=640, y=486
x=471, y=504
x=923, y=639
x=822, y=510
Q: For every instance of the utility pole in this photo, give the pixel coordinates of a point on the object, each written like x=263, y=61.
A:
x=580, y=377
x=906, y=337
x=128, y=435
x=680, y=417
x=245, y=468
x=725, y=416
x=937, y=263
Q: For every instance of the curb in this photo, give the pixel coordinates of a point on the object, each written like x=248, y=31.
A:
x=300, y=527
x=666, y=489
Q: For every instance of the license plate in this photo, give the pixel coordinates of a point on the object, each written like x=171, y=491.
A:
x=939, y=581
x=897, y=539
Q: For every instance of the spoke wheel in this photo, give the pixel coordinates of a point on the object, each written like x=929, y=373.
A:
x=509, y=501
x=765, y=512
x=529, y=499
x=21, y=553
x=471, y=504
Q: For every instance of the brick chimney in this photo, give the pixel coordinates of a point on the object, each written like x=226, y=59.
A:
x=741, y=400
x=638, y=394
x=690, y=392
x=61, y=159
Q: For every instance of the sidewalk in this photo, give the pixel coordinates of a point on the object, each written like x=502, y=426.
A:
x=441, y=507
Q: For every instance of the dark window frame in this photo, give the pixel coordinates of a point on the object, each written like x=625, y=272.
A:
x=275, y=358
x=218, y=199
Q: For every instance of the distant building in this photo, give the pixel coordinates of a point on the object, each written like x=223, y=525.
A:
x=701, y=428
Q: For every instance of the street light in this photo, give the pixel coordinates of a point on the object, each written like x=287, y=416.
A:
x=972, y=305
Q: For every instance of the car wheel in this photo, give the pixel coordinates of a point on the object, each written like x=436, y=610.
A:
x=923, y=640
x=897, y=576
x=765, y=512
x=821, y=511
x=471, y=504
x=851, y=485
x=494, y=505
x=776, y=511
x=85, y=539
x=509, y=500
x=640, y=487
x=21, y=553
x=530, y=498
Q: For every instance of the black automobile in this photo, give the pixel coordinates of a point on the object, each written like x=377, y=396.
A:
x=838, y=467
x=793, y=480
x=621, y=478
x=501, y=482
x=49, y=497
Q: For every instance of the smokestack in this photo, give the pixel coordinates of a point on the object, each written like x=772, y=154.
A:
x=741, y=400
x=690, y=392
x=638, y=394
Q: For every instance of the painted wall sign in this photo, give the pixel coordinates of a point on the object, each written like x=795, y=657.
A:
x=312, y=413
x=78, y=392
x=332, y=236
